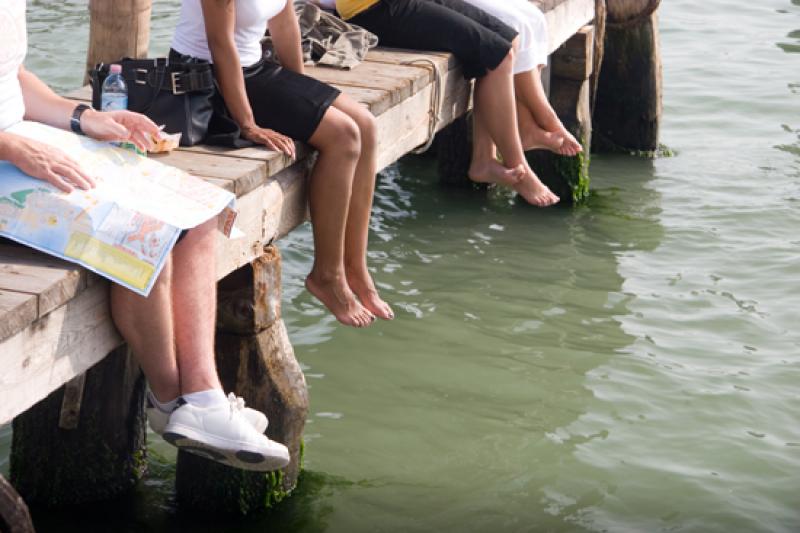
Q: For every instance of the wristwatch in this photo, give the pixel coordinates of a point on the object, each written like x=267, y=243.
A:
x=75, y=121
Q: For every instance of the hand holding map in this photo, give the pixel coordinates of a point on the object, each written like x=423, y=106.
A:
x=125, y=227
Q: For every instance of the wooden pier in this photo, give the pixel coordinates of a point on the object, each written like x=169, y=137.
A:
x=56, y=331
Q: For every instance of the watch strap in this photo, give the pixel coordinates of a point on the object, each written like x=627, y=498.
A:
x=75, y=121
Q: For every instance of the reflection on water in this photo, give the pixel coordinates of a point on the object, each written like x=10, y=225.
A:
x=631, y=365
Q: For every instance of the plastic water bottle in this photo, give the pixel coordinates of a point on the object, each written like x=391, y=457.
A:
x=114, y=94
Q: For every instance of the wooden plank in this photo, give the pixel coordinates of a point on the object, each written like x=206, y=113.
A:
x=407, y=126
x=565, y=18
x=400, y=56
x=55, y=349
x=52, y=280
x=17, y=310
x=245, y=173
x=400, y=81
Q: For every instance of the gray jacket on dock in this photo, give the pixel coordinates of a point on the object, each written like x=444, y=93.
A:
x=326, y=39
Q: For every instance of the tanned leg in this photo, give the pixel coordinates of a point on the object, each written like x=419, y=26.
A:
x=531, y=95
x=357, y=228
x=338, y=141
x=494, y=97
x=484, y=167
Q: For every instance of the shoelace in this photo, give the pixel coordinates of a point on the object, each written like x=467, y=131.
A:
x=236, y=402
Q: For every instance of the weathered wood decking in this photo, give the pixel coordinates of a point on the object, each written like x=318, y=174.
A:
x=54, y=320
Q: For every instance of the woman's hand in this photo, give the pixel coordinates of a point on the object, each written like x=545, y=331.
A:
x=269, y=138
x=46, y=163
x=120, y=126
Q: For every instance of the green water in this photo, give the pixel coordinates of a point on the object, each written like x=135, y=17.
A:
x=631, y=365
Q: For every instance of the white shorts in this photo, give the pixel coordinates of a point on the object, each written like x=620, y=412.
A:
x=529, y=22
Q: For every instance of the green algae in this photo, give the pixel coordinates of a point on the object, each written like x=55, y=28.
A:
x=575, y=171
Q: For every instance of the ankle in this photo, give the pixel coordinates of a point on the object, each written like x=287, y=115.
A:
x=205, y=398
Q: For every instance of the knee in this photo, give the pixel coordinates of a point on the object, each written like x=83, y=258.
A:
x=202, y=237
x=367, y=128
x=348, y=139
x=164, y=281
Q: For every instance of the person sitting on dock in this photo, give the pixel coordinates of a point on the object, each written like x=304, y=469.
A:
x=484, y=47
x=272, y=104
x=539, y=125
x=171, y=332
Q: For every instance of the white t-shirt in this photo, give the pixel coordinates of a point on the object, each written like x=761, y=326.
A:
x=13, y=45
x=251, y=23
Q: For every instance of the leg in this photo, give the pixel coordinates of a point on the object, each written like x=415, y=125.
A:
x=339, y=143
x=146, y=325
x=545, y=126
x=357, y=228
x=532, y=135
x=494, y=98
x=194, y=300
x=484, y=167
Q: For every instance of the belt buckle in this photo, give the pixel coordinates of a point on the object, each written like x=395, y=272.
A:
x=176, y=79
x=143, y=79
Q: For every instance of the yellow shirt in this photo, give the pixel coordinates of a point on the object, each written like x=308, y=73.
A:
x=350, y=8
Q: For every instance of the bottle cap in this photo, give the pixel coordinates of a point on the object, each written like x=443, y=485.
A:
x=115, y=69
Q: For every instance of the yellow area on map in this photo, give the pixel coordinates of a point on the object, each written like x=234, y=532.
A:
x=106, y=258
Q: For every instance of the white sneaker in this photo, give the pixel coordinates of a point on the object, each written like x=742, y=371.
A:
x=158, y=419
x=221, y=433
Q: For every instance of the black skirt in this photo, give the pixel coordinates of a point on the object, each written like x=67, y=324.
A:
x=479, y=40
x=282, y=100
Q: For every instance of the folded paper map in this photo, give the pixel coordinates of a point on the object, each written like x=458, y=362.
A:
x=125, y=228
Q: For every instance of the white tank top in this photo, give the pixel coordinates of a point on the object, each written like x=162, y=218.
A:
x=251, y=23
x=13, y=45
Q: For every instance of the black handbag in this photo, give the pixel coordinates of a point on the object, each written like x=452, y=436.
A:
x=174, y=94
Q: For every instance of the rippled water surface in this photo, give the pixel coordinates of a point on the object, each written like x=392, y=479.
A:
x=631, y=365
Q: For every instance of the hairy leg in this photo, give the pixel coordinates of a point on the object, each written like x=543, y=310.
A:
x=357, y=228
x=494, y=97
x=146, y=325
x=194, y=300
x=338, y=141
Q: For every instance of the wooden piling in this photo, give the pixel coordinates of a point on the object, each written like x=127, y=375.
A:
x=102, y=457
x=119, y=28
x=255, y=360
x=14, y=515
x=628, y=111
x=454, y=152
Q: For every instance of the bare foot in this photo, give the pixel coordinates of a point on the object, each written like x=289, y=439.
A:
x=535, y=192
x=490, y=171
x=363, y=286
x=569, y=145
x=538, y=139
x=340, y=300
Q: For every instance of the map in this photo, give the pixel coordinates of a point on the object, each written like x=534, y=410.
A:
x=123, y=229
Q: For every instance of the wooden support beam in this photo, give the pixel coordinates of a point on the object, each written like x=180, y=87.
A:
x=629, y=95
x=102, y=457
x=71, y=403
x=117, y=29
x=14, y=514
x=574, y=60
